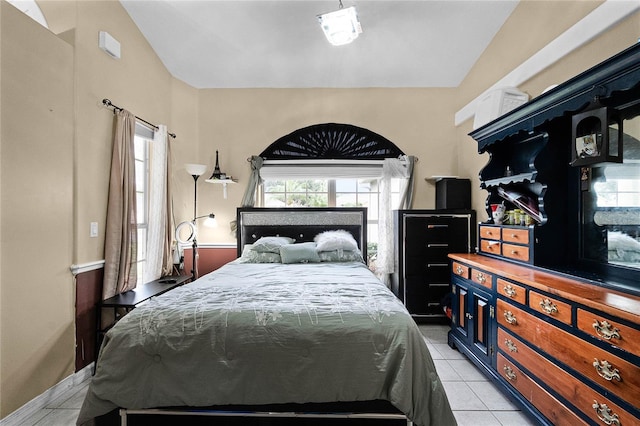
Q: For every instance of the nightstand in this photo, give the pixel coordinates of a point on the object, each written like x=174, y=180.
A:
x=130, y=299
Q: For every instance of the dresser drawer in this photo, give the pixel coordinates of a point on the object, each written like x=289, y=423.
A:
x=578, y=393
x=512, y=291
x=460, y=270
x=551, y=307
x=491, y=246
x=490, y=232
x=518, y=236
x=516, y=252
x=593, y=362
x=549, y=406
x=482, y=278
x=617, y=334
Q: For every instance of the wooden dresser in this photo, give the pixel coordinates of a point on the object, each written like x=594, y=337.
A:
x=549, y=307
x=564, y=348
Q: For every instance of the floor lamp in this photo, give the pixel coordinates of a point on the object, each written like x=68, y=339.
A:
x=195, y=170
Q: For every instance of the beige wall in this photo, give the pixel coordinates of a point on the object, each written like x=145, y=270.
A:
x=240, y=123
x=67, y=183
x=37, y=322
x=37, y=349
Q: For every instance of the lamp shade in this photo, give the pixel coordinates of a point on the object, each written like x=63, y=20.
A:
x=211, y=221
x=195, y=169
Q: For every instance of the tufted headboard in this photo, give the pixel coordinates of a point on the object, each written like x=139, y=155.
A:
x=302, y=224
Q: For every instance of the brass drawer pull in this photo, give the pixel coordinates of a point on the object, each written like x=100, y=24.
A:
x=605, y=414
x=548, y=306
x=481, y=277
x=512, y=346
x=508, y=371
x=606, y=330
x=459, y=270
x=605, y=370
x=510, y=291
x=510, y=318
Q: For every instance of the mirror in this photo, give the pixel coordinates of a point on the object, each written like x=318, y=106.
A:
x=611, y=203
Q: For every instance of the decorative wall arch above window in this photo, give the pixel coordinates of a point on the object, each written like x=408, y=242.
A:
x=332, y=141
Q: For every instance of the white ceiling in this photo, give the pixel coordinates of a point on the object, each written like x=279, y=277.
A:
x=279, y=44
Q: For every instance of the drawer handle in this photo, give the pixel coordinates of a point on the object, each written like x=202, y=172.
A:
x=514, y=236
x=548, y=306
x=510, y=291
x=469, y=316
x=605, y=370
x=605, y=414
x=510, y=318
x=481, y=277
x=514, y=252
x=459, y=270
x=512, y=346
x=437, y=226
x=606, y=330
x=508, y=371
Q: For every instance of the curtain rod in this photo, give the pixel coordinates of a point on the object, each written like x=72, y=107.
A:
x=108, y=104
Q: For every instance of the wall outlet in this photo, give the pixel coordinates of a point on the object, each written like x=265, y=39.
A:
x=94, y=230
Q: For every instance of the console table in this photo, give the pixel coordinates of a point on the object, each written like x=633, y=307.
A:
x=130, y=299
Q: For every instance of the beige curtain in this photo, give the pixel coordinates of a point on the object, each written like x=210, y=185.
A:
x=120, y=251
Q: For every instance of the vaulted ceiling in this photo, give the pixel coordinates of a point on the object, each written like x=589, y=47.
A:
x=279, y=44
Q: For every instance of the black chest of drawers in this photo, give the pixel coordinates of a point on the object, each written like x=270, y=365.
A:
x=423, y=239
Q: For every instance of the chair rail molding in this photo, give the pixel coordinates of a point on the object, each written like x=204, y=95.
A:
x=86, y=267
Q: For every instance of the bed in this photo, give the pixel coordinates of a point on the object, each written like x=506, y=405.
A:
x=296, y=327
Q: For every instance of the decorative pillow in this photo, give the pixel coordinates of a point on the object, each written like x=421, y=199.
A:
x=249, y=255
x=271, y=244
x=335, y=240
x=341, y=256
x=299, y=253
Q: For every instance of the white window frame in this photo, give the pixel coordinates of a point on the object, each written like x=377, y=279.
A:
x=372, y=218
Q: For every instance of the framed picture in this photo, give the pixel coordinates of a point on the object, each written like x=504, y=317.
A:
x=596, y=137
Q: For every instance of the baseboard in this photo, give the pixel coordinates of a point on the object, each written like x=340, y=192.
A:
x=41, y=401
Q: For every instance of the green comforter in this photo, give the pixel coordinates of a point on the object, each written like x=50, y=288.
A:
x=265, y=334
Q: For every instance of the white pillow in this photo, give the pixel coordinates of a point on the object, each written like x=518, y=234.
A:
x=335, y=240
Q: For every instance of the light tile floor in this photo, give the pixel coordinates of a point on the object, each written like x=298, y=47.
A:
x=474, y=399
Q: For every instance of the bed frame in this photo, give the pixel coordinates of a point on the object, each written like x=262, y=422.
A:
x=302, y=224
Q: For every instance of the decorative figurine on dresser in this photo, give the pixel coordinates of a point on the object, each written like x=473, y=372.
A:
x=549, y=307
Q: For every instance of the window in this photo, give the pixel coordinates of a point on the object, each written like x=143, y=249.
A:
x=343, y=192
x=142, y=139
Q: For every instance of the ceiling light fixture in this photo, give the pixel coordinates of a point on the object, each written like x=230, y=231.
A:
x=342, y=26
